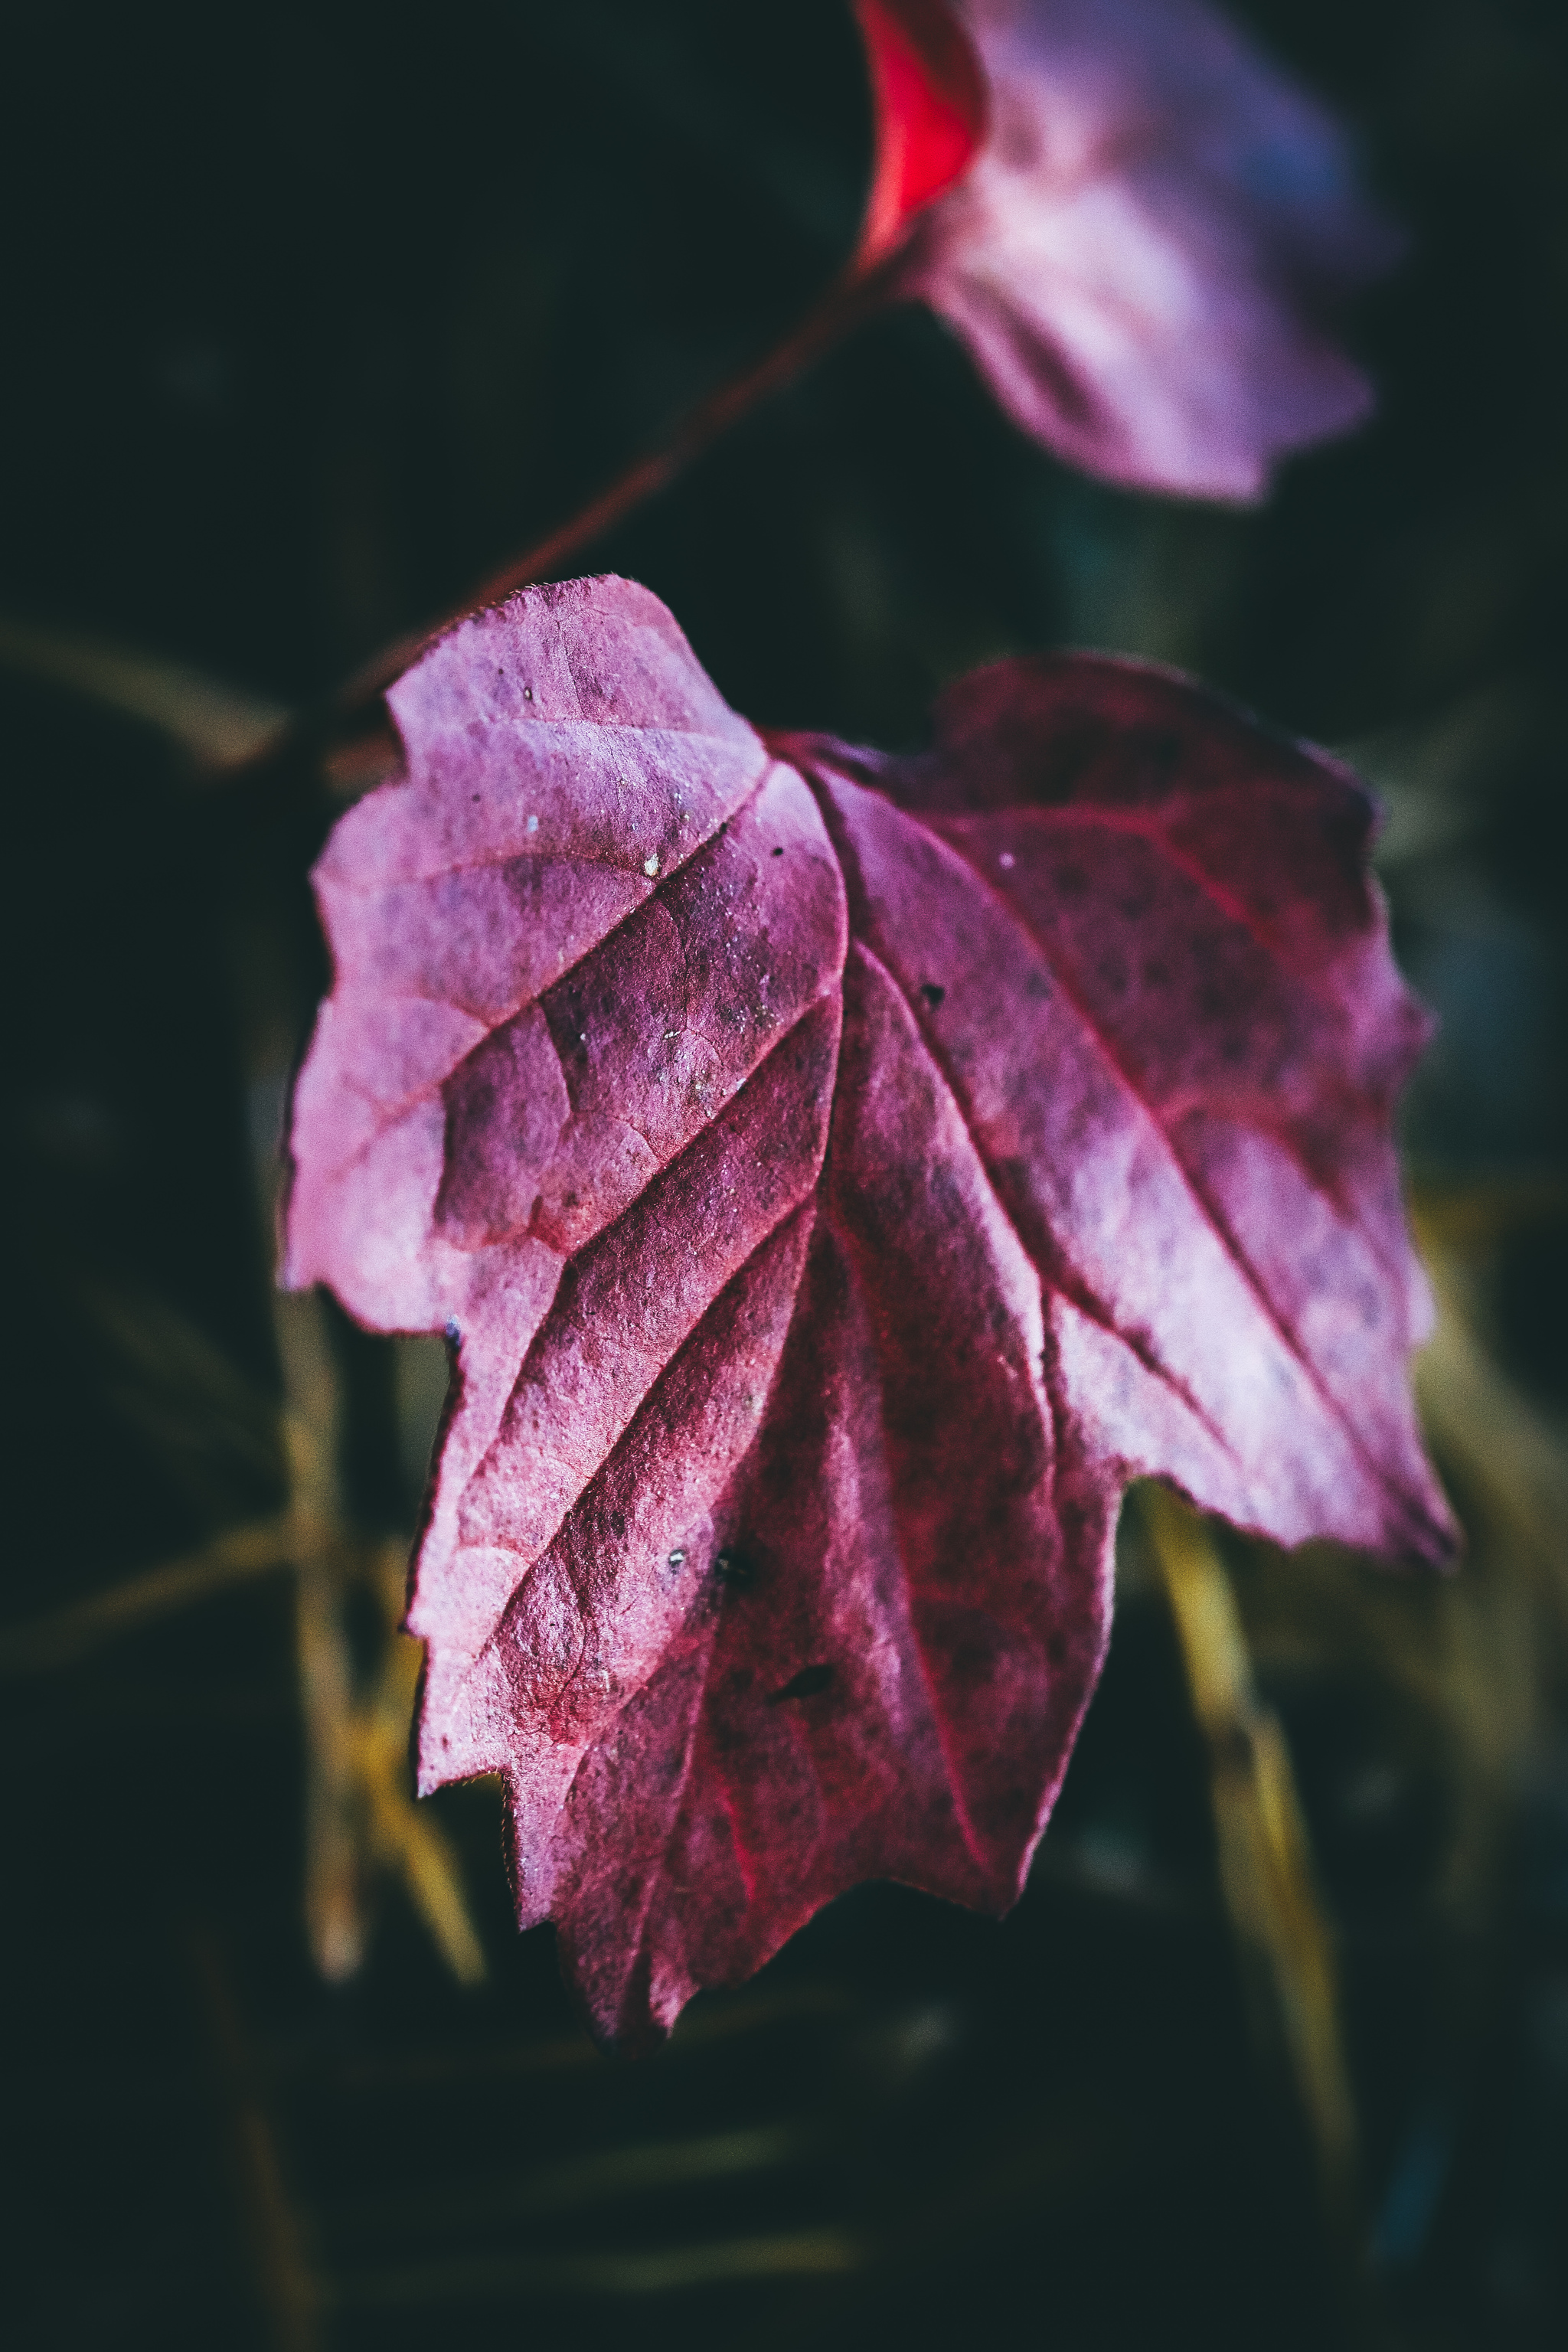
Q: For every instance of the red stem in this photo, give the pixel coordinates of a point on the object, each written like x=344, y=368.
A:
x=846, y=304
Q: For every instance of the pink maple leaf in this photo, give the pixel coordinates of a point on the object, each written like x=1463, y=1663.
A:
x=838, y=1175
x=1140, y=245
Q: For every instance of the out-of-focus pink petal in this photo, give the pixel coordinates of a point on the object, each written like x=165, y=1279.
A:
x=1140, y=256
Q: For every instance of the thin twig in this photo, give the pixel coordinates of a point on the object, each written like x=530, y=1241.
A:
x=346, y=734
x=220, y=725
x=1266, y=1864
x=634, y=2272
x=360, y=1813
x=230, y=733
x=360, y=1810
x=1513, y=1458
x=243, y=1553
x=403, y=1838
x=849, y=300
x=283, y=2282
x=335, y=1908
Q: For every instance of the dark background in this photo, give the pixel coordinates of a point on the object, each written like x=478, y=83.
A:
x=311, y=317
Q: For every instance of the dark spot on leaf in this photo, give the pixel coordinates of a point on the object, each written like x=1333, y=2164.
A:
x=954, y=1355
x=805, y=1684
x=778, y=852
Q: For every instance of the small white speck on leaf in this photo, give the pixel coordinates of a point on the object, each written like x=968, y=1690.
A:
x=534, y=825
x=1007, y=861
x=650, y=866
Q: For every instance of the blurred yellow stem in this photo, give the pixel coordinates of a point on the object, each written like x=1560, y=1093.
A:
x=231, y=1558
x=284, y=2285
x=220, y=725
x=359, y=1810
x=1487, y=1428
x=1264, y=1857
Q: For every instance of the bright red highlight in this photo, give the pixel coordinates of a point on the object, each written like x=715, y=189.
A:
x=929, y=97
